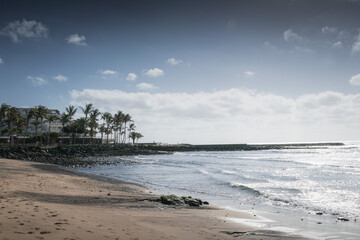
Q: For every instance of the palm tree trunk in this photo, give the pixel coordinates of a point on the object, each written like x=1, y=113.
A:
x=41, y=125
x=26, y=130
x=36, y=133
x=125, y=134
x=48, y=140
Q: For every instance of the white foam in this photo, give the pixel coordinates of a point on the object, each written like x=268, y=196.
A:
x=228, y=172
x=203, y=171
x=256, y=223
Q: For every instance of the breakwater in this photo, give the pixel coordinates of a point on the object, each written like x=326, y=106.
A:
x=235, y=147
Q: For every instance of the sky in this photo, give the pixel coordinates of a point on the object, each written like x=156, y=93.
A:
x=249, y=71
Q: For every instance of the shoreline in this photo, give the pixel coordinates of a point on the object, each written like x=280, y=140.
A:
x=44, y=201
x=88, y=155
x=291, y=223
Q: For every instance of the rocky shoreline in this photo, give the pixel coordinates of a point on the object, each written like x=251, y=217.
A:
x=73, y=155
x=89, y=155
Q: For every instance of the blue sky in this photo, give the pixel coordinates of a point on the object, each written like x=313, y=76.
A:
x=191, y=71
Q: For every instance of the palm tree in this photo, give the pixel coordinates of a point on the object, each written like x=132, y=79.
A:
x=13, y=115
x=41, y=112
x=131, y=129
x=102, y=130
x=118, y=121
x=36, y=123
x=107, y=117
x=50, y=118
x=93, y=124
x=132, y=135
x=3, y=114
x=78, y=125
x=135, y=136
x=29, y=113
x=20, y=123
x=138, y=136
x=86, y=110
x=3, y=111
x=126, y=119
x=64, y=119
x=71, y=110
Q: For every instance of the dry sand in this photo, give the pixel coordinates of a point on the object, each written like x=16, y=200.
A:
x=43, y=201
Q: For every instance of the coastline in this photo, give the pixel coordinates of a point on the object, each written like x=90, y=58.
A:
x=44, y=201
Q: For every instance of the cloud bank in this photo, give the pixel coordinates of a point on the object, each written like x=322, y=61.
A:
x=25, y=29
x=233, y=115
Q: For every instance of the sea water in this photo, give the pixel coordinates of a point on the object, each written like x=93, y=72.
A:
x=308, y=188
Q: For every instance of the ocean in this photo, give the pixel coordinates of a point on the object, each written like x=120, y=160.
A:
x=299, y=191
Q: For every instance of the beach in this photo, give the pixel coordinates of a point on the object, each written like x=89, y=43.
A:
x=44, y=201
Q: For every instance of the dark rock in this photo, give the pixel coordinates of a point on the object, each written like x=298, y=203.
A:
x=194, y=202
x=171, y=200
x=175, y=200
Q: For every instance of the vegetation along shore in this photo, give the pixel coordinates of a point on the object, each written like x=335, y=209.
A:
x=43, y=126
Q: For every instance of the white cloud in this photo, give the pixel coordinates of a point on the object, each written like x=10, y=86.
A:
x=174, y=62
x=1, y=61
x=37, y=81
x=233, y=115
x=76, y=39
x=25, y=29
x=154, y=72
x=145, y=86
x=249, y=73
x=303, y=49
x=131, y=77
x=355, y=80
x=109, y=72
x=330, y=30
x=356, y=45
x=290, y=35
x=61, y=78
x=337, y=44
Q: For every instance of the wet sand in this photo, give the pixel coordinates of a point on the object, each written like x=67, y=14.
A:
x=43, y=201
